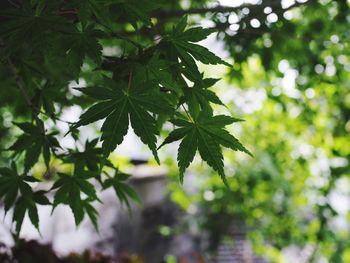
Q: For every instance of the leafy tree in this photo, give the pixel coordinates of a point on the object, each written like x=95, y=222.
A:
x=46, y=44
x=155, y=77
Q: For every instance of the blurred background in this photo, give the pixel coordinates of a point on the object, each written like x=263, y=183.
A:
x=290, y=82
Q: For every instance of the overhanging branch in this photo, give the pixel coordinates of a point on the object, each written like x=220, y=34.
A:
x=217, y=9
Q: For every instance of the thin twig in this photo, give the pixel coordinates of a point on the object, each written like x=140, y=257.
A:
x=117, y=35
x=66, y=12
x=129, y=81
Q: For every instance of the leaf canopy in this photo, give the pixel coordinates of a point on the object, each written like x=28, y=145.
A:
x=124, y=80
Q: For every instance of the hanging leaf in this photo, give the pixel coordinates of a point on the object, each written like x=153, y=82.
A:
x=205, y=134
x=122, y=104
x=70, y=190
x=34, y=142
x=121, y=188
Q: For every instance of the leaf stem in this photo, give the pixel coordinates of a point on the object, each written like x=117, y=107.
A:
x=187, y=113
x=66, y=12
x=129, y=81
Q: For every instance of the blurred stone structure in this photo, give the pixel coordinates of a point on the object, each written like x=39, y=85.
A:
x=138, y=232
x=236, y=248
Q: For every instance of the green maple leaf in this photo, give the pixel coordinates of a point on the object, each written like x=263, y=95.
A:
x=69, y=192
x=23, y=25
x=205, y=134
x=122, y=105
x=199, y=96
x=22, y=206
x=15, y=191
x=96, y=8
x=182, y=42
x=34, y=142
x=121, y=188
x=79, y=46
x=159, y=70
x=91, y=157
x=10, y=185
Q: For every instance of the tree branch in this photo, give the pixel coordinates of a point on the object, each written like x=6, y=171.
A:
x=216, y=9
x=204, y=10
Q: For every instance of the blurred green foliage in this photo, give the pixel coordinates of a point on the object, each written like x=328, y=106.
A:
x=290, y=83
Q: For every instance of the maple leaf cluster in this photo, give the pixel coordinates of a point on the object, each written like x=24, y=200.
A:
x=142, y=89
